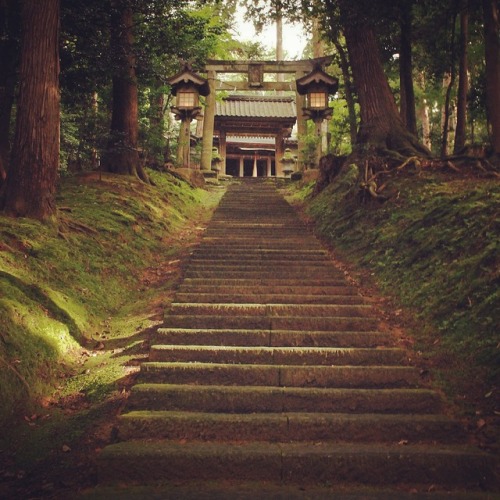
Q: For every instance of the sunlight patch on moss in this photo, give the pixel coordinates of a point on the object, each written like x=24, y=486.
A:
x=75, y=280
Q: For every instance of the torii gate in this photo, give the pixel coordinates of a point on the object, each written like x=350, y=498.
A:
x=255, y=71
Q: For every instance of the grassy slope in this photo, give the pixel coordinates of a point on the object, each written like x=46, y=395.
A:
x=434, y=248
x=68, y=294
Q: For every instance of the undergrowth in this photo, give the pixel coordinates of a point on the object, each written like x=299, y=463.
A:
x=434, y=247
x=65, y=288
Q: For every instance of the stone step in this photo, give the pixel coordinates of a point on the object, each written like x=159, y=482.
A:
x=320, y=356
x=262, y=399
x=225, y=244
x=269, y=368
x=374, y=464
x=262, y=298
x=265, y=282
x=290, y=427
x=209, y=250
x=275, y=338
x=217, y=373
x=267, y=273
x=265, y=266
x=327, y=324
x=256, y=256
x=270, y=310
x=269, y=290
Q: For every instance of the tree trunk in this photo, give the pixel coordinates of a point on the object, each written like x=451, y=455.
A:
x=122, y=155
x=423, y=112
x=156, y=132
x=461, y=129
x=492, y=57
x=381, y=125
x=451, y=82
x=9, y=60
x=349, y=97
x=407, y=105
x=31, y=183
x=448, y=80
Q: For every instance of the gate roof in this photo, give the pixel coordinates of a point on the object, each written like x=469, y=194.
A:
x=255, y=115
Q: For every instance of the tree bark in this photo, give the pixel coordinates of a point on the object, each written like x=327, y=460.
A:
x=407, y=105
x=492, y=57
x=381, y=125
x=122, y=155
x=448, y=80
x=9, y=61
x=447, y=101
x=461, y=129
x=349, y=97
x=31, y=183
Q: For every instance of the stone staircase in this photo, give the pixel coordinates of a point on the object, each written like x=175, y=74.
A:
x=269, y=368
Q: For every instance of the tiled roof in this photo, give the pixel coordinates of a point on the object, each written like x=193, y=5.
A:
x=256, y=107
x=250, y=140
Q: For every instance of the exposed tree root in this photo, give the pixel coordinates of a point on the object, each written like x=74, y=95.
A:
x=67, y=224
x=378, y=165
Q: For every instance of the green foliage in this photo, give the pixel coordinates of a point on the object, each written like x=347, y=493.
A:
x=164, y=32
x=435, y=246
x=60, y=285
x=308, y=152
x=338, y=126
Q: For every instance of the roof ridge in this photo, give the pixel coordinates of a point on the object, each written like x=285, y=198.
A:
x=246, y=97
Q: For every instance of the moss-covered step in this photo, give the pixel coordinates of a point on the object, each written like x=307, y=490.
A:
x=258, y=289
x=222, y=297
x=272, y=272
x=326, y=324
x=264, y=282
x=264, y=265
x=290, y=338
x=217, y=373
x=150, y=461
x=274, y=310
x=290, y=427
x=242, y=399
x=328, y=356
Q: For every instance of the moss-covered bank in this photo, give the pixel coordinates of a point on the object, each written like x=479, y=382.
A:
x=72, y=291
x=434, y=247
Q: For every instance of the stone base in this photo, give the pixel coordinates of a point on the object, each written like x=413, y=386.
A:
x=195, y=177
x=309, y=176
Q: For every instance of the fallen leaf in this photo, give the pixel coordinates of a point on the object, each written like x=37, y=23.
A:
x=66, y=448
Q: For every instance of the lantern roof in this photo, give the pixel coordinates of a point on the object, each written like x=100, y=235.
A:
x=317, y=77
x=188, y=77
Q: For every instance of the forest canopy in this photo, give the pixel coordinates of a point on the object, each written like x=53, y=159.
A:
x=84, y=84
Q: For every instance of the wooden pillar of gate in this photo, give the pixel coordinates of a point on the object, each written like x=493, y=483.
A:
x=300, y=102
x=223, y=150
x=208, y=124
x=279, y=154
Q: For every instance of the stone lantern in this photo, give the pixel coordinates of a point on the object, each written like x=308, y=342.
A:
x=317, y=86
x=187, y=87
x=216, y=160
x=288, y=162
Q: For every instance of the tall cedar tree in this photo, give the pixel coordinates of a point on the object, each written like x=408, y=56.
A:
x=461, y=128
x=407, y=105
x=9, y=59
x=381, y=125
x=122, y=155
x=491, y=13
x=31, y=183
